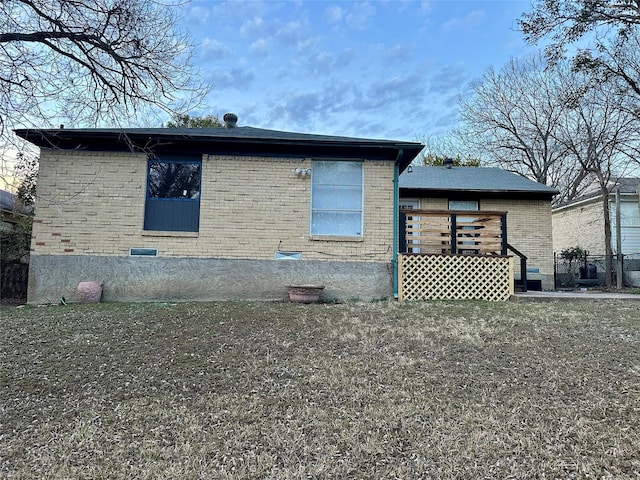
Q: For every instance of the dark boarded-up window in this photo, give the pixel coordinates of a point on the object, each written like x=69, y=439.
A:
x=173, y=195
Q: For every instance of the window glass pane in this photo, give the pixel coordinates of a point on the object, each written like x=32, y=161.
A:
x=336, y=223
x=463, y=205
x=173, y=180
x=337, y=173
x=629, y=214
x=340, y=197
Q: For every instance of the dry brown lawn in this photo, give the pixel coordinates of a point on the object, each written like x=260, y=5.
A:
x=386, y=390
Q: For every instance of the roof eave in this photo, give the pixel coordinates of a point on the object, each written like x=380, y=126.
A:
x=143, y=142
x=476, y=191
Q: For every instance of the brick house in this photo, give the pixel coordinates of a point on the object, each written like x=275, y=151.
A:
x=581, y=223
x=219, y=213
x=11, y=212
x=526, y=203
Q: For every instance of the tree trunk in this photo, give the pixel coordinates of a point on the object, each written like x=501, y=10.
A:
x=608, y=251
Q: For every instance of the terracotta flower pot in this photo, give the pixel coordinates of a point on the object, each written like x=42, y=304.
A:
x=305, y=293
x=89, y=292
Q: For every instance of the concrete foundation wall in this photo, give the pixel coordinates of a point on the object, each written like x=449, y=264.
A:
x=183, y=279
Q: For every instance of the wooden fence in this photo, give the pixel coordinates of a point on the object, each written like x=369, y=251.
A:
x=454, y=277
x=453, y=231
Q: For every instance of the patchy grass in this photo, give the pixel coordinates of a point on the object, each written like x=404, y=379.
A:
x=284, y=391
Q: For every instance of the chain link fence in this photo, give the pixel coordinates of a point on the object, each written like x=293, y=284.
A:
x=589, y=271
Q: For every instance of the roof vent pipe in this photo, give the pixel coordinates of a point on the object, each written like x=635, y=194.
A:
x=230, y=120
x=448, y=162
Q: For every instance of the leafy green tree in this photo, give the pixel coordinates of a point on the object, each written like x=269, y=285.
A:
x=27, y=170
x=188, y=121
x=438, y=160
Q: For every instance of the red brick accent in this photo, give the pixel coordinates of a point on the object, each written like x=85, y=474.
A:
x=68, y=250
x=65, y=240
x=37, y=220
x=40, y=244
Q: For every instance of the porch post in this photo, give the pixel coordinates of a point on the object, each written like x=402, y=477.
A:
x=454, y=234
x=396, y=204
x=504, y=234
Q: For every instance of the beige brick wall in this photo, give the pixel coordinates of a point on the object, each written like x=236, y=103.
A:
x=92, y=203
x=571, y=224
x=528, y=227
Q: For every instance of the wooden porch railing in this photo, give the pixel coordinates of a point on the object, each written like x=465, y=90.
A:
x=453, y=231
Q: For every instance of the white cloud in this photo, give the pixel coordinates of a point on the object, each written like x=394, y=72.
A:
x=471, y=18
x=322, y=62
x=292, y=32
x=447, y=79
x=335, y=14
x=390, y=92
x=356, y=17
x=296, y=110
x=306, y=45
x=398, y=53
x=197, y=15
x=359, y=15
x=232, y=79
x=426, y=6
x=260, y=47
x=253, y=26
x=213, y=49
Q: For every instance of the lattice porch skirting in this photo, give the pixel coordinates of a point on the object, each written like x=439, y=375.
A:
x=454, y=277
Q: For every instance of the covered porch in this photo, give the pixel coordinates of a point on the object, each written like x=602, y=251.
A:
x=453, y=232
x=455, y=254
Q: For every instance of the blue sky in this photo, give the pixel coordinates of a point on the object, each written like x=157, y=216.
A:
x=379, y=69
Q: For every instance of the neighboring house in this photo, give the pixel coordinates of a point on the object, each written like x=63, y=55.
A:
x=527, y=204
x=10, y=213
x=214, y=213
x=581, y=221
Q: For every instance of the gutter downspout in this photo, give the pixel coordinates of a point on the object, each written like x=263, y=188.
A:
x=396, y=203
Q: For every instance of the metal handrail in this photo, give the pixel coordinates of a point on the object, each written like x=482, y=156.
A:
x=523, y=265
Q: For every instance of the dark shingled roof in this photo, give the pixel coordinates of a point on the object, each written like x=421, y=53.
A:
x=228, y=141
x=7, y=200
x=471, y=179
x=243, y=133
x=8, y=204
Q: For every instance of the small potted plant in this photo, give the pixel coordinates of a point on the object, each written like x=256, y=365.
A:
x=305, y=293
x=572, y=256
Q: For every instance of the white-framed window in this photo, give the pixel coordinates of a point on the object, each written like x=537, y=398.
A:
x=463, y=205
x=336, y=198
x=411, y=204
x=468, y=230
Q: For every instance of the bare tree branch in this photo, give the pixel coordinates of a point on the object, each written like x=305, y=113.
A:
x=92, y=62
